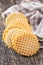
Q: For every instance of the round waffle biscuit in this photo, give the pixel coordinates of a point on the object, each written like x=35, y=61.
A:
x=20, y=25
x=12, y=27
x=8, y=34
x=15, y=16
x=25, y=43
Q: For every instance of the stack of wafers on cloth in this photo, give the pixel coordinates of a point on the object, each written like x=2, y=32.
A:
x=21, y=34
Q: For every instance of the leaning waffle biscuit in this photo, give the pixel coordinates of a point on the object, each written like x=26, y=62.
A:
x=20, y=25
x=7, y=41
x=6, y=37
x=28, y=27
x=16, y=17
x=5, y=32
x=8, y=34
x=25, y=43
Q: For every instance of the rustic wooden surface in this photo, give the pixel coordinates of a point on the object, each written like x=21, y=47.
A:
x=10, y=57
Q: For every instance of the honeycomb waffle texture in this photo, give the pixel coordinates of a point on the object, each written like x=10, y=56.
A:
x=22, y=41
x=19, y=17
x=18, y=35
x=18, y=20
x=9, y=33
x=25, y=43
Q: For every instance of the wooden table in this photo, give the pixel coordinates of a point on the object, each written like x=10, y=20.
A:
x=10, y=57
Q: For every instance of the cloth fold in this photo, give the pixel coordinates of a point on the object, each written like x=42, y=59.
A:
x=34, y=13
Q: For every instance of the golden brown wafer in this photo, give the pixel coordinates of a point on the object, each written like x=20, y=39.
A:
x=25, y=43
x=20, y=25
x=18, y=35
x=21, y=41
x=15, y=16
x=8, y=33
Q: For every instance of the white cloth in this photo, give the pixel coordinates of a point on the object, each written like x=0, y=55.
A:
x=33, y=11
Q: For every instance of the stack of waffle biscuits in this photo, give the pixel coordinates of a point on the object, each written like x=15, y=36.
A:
x=18, y=35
